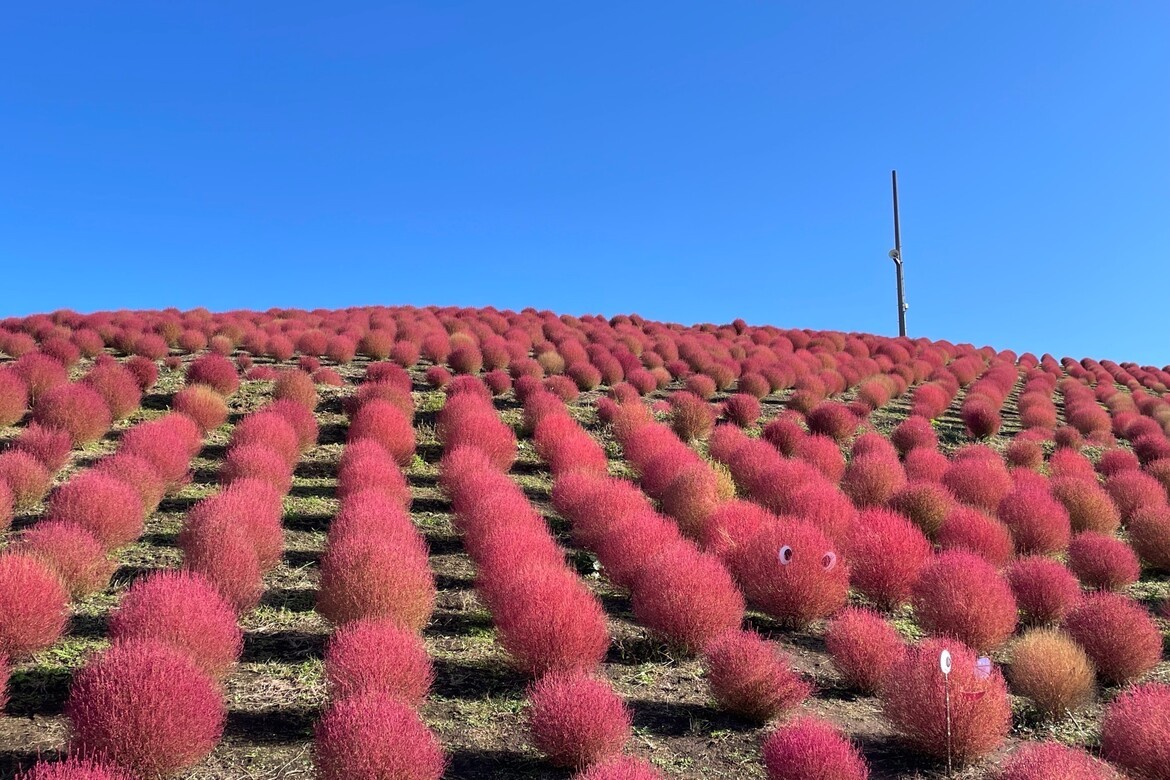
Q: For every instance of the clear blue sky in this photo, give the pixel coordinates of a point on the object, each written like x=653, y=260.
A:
x=688, y=161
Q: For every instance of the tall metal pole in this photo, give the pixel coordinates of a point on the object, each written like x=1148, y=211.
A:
x=896, y=256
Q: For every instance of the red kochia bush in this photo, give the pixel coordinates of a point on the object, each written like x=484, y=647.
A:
x=1136, y=732
x=164, y=445
x=13, y=397
x=271, y=430
x=27, y=478
x=691, y=416
x=1044, y=589
x=223, y=552
x=70, y=550
x=864, y=647
x=810, y=749
x=1089, y=507
x=790, y=570
x=50, y=446
x=886, y=553
x=33, y=605
x=375, y=736
x=1133, y=490
x=371, y=577
x=751, y=678
x=1038, y=522
x=927, y=504
x=872, y=479
x=216, y=372
x=620, y=768
x=1040, y=761
x=961, y=595
x=76, y=408
x=916, y=704
x=117, y=386
x=256, y=461
x=1104, y=562
x=144, y=706
x=203, y=405
x=386, y=424
x=914, y=432
x=106, y=506
x=576, y=719
x=1120, y=637
x=185, y=611
x=742, y=410
x=380, y=657
x=300, y=417
x=686, y=597
x=139, y=474
x=72, y=768
x=971, y=530
x=40, y=374
x=6, y=506
x=1149, y=533
x=924, y=464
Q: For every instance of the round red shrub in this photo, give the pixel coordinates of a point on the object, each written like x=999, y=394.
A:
x=914, y=432
x=33, y=605
x=832, y=419
x=1120, y=637
x=117, y=386
x=1089, y=507
x=13, y=398
x=871, y=479
x=185, y=611
x=1132, y=490
x=960, y=595
x=225, y=554
x=1149, y=533
x=927, y=504
x=364, y=577
x=701, y=385
x=71, y=551
x=296, y=386
x=751, y=678
x=51, y=446
x=971, y=530
x=864, y=648
x=978, y=482
x=576, y=719
x=151, y=346
x=271, y=430
x=742, y=410
x=886, y=553
x=915, y=703
x=981, y=417
x=72, y=768
x=328, y=377
x=437, y=377
x=105, y=506
x=137, y=472
x=76, y=408
x=144, y=706
x=1023, y=453
x=385, y=423
x=164, y=445
x=256, y=461
x=340, y=349
x=1050, y=669
x=811, y=749
x=791, y=571
x=923, y=464
x=1135, y=734
x=1116, y=461
x=377, y=656
x=1039, y=523
x=691, y=417
x=1040, y=761
x=215, y=371
x=1102, y=561
x=40, y=373
x=1045, y=589
x=621, y=768
x=27, y=478
x=374, y=736
x=202, y=404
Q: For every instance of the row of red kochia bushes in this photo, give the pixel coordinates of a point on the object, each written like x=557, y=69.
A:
x=96, y=512
x=377, y=588
x=552, y=627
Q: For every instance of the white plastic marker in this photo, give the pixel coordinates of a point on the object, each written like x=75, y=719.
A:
x=944, y=664
x=785, y=555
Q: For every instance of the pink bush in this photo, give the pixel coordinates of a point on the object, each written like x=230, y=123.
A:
x=914, y=432
x=182, y=610
x=916, y=704
x=363, y=577
x=961, y=595
x=76, y=408
x=751, y=678
x=810, y=749
x=203, y=405
x=832, y=419
x=576, y=720
x=377, y=656
x=971, y=530
x=223, y=553
x=686, y=597
x=1040, y=761
x=216, y=372
x=1089, y=507
x=139, y=474
x=620, y=768
x=375, y=736
x=791, y=571
x=106, y=506
x=71, y=551
x=33, y=605
x=1120, y=637
x=927, y=504
x=864, y=648
x=1102, y=561
x=978, y=482
x=117, y=386
x=72, y=768
x=1045, y=589
x=164, y=445
x=1135, y=734
x=1039, y=524
x=144, y=706
x=51, y=446
x=1149, y=533
x=13, y=398
x=886, y=554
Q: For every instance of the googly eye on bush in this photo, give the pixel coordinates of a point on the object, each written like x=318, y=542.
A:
x=829, y=560
x=785, y=555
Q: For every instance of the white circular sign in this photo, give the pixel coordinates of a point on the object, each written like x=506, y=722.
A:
x=944, y=661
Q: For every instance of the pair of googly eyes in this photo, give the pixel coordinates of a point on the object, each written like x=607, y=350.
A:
x=828, y=560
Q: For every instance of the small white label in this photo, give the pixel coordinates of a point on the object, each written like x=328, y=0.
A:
x=983, y=668
x=944, y=661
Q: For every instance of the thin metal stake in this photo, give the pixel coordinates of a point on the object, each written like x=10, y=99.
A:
x=896, y=256
x=947, y=689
